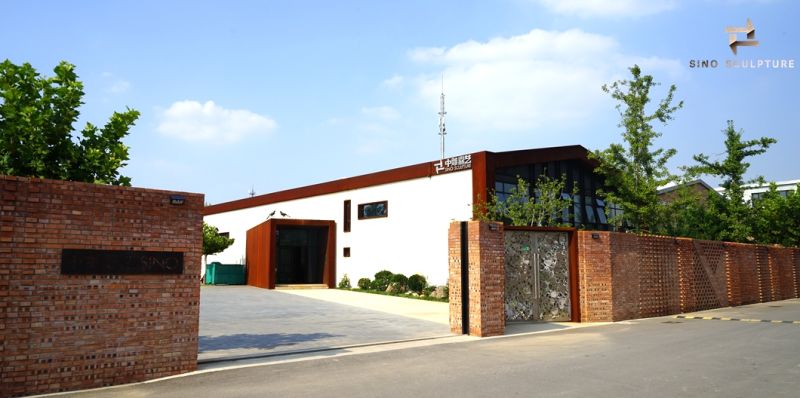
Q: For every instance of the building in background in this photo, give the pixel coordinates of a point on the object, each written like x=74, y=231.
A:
x=754, y=192
x=395, y=219
x=669, y=192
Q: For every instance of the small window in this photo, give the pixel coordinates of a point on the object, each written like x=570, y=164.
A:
x=346, y=252
x=373, y=210
x=347, y=217
x=225, y=234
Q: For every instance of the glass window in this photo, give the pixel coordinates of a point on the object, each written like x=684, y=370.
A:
x=373, y=210
x=565, y=213
x=576, y=207
x=590, y=216
x=601, y=211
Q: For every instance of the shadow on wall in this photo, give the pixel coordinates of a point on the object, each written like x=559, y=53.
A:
x=259, y=341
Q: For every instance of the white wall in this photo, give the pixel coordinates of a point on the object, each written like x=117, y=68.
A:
x=790, y=185
x=412, y=239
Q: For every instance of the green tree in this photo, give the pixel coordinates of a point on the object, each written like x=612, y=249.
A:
x=777, y=218
x=37, y=114
x=735, y=216
x=690, y=215
x=520, y=209
x=634, y=172
x=213, y=242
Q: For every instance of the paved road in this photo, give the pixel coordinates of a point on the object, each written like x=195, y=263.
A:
x=243, y=320
x=657, y=357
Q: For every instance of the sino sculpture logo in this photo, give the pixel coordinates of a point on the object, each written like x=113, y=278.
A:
x=743, y=36
x=733, y=38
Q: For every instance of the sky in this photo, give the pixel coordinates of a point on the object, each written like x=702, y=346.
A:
x=272, y=95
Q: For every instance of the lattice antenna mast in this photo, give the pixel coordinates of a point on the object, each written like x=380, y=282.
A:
x=442, y=129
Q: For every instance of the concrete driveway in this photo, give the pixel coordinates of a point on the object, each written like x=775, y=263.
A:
x=244, y=321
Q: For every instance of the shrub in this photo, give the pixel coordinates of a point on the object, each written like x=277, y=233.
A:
x=401, y=281
x=364, y=283
x=382, y=280
x=417, y=283
x=427, y=290
x=345, y=282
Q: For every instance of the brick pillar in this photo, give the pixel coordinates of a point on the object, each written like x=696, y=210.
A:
x=486, y=273
x=594, y=269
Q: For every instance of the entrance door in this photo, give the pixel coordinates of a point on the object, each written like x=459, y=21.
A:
x=537, y=276
x=300, y=255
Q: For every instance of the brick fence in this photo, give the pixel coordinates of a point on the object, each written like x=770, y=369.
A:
x=486, y=281
x=66, y=332
x=626, y=276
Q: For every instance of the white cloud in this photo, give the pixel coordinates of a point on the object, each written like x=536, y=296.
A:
x=195, y=121
x=538, y=79
x=606, y=8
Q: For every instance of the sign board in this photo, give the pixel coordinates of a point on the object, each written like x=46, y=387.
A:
x=456, y=163
x=120, y=262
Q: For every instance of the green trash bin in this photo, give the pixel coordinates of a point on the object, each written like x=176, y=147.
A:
x=225, y=274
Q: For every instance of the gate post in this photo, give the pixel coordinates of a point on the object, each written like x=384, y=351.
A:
x=484, y=263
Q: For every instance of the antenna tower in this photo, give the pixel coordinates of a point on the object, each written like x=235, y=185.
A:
x=442, y=129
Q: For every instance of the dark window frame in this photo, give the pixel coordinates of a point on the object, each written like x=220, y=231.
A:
x=382, y=214
x=346, y=225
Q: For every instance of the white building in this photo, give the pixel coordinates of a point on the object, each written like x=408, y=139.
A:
x=754, y=192
x=395, y=219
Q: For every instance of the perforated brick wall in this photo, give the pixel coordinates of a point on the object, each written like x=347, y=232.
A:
x=626, y=276
x=67, y=332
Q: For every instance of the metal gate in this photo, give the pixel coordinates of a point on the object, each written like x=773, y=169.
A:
x=537, y=276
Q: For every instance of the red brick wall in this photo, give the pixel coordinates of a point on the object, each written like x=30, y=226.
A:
x=66, y=332
x=626, y=276
x=486, y=278
x=594, y=270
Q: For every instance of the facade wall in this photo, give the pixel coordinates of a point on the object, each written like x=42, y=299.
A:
x=67, y=332
x=412, y=239
x=626, y=276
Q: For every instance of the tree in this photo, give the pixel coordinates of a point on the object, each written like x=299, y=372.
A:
x=634, y=173
x=736, y=216
x=690, y=215
x=37, y=114
x=777, y=218
x=213, y=242
x=542, y=210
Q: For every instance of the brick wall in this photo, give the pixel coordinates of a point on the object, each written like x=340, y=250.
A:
x=67, y=332
x=594, y=270
x=626, y=276
x=486, y=278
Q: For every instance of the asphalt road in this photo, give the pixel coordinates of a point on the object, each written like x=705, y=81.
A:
x=657, y=357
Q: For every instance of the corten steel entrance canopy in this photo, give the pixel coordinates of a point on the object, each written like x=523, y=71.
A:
x=263, y=251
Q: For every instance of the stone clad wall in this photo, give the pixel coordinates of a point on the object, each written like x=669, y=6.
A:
x=67, y=332
x=627, y=276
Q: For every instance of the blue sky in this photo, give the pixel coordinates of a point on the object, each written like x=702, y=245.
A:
x=279, y=94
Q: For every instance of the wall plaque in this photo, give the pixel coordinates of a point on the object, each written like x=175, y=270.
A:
x=120, y=262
